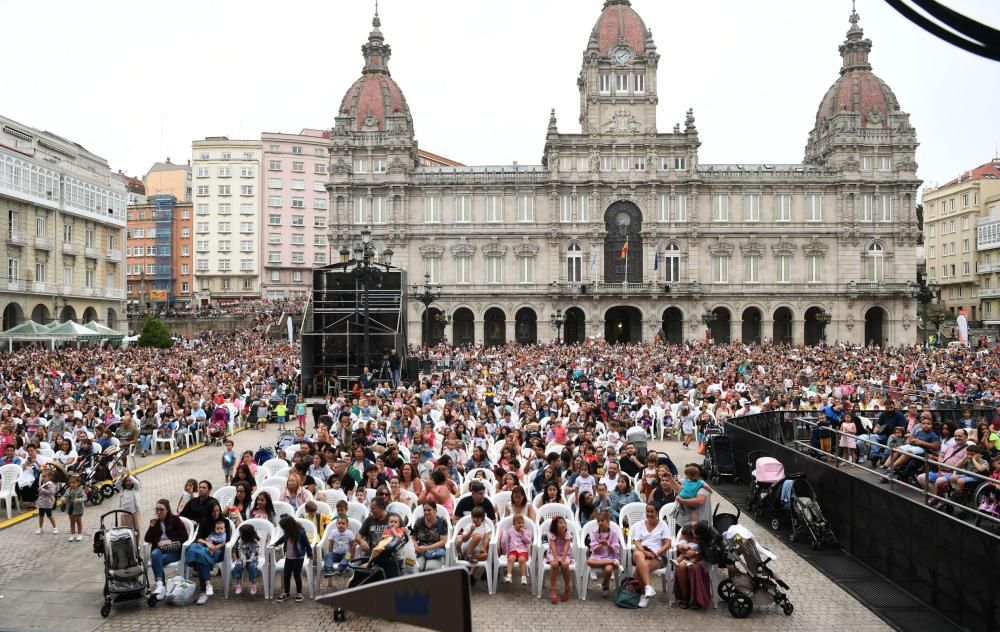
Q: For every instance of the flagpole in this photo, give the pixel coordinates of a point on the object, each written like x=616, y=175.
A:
x=625, y=282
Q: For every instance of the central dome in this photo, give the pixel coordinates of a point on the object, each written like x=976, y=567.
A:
x=619, y=23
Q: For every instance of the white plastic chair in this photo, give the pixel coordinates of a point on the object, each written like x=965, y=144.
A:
x=486, y=565
x=501, y=503
x=278, y=565
x=319, y=551
x=273, y=466
x=471, y=475
x=179, y=566
x=168, y=439
x=322, y=509
x=275, y=482
x=226, y=496
x=281, y=508
x=403, y=510
x=499, y=559
x=46, y=452
x=356, y=510
x=8, y=485
x=44, y=445
x=551, y=510
x=584, y=553
x=265, y=533
x=333, y=496
x=633, y=513
x=282, y=472
x=541, y=545
x=410, y=497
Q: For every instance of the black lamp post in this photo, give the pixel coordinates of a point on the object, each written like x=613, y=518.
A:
x=368, y=273
x=427, y=297
x=558, y=321
x=708, y=318
x=925, y=293
x=823, y=318
x=444, y=321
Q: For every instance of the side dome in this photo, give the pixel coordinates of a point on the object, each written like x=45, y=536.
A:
x=375, y=97
x=619, y=23
x=858, y=90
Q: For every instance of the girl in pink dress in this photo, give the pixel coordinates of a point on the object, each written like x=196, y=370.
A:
x=605, y=549
x=559, y=555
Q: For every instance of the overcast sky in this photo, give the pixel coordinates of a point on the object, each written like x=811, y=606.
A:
x=136, y=82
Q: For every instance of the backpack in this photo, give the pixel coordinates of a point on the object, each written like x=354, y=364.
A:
x=180, y=591
x=629, y=593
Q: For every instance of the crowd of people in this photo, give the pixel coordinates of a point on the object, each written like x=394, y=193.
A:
x=263, y=310
x=409, y=475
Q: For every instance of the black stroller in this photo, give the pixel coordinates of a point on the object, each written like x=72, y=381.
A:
x=751, y=582
x=125, y=575
x=807, y=517
x=719, y=460
x=367, y=570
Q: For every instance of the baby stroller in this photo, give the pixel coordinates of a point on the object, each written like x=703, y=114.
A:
x=218, y=426
x=286, y=439
x=765, y=475
x=719, y=461
x=368, y=570
x=640, y=438
x=751, y=582
x=263, y=455
x=798, y=496
x=125, y=576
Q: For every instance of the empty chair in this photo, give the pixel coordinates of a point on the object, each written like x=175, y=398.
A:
x=275, y=482
x=225, y=495
x=8, y=484
x=273, y=466
x=632, y=513
x=357, y=511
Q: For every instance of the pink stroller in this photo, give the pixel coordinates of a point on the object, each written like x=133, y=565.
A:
x=218, y=425
x=766, y=476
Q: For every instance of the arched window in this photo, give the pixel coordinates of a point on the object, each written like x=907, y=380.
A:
x=875, y=264
x=672, y=263
x=574, y=264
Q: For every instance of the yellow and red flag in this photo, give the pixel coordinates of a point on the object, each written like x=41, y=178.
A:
x=624, y=252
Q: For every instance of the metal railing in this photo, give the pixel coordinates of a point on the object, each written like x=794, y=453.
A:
x=801, y=433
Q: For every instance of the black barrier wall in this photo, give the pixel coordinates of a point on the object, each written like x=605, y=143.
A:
x=946, y=563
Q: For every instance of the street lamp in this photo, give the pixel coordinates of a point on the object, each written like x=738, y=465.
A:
x=427, y=297
x=925, y=293
x=368, y=273
x=444, y=321
x=557, y=322
x=823, y=318
x=708, y=318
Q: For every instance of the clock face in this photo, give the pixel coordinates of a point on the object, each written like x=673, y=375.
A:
x=622, y=56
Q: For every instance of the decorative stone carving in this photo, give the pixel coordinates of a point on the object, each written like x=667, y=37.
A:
x=340, y=166
x=783, y=248
x=493, y=248
x=752, y=247
x=815, y=248
x=851, y=164
x=850, y=321
x=397, y=166
x=622, y=123
x=431, y=251
x=721, y=248
x=462, y=249
x=525, y=248
x=875, y=117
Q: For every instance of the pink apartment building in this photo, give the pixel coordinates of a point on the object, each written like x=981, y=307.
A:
x=294, y=211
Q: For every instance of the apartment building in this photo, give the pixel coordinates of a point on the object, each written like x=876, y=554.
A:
x=167, y=178
x=158, y=253
x=988, y=255
x=951, y=214
x=65, y=215
x=226, y=219
x=295, y=211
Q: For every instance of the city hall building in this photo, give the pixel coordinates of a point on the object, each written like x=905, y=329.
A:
x=624, y=231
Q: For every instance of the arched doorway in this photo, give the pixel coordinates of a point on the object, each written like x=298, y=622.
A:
x=875, y=322
x=13, y=316
x=623, y=222
x=67, y=313
x=751, y=325
x=41, y=314
x=815, y=330
x=463, y=328
x=494, y=327
x=673, y=325
x=575, y=326
x=89, y=314
x=782, y=333
x=623, y=324
x=433, y=333
x=526, y=326
x=722, y=325
x=112, y=318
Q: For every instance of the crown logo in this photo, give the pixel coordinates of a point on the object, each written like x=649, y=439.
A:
x=413, y=604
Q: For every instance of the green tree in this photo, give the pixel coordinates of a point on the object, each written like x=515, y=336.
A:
x=920, y=223
x=155, y=334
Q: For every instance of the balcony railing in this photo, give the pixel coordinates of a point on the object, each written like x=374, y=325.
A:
x=40, y=286
x=990, y=293
x=985, y=268
x=114, y=293
x=70, y=248
x=93, y=253
x=17, y=237
x=114, y=255
x=15, y=285
x=44, y=243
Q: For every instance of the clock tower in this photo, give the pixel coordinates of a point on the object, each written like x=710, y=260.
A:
x=618, y=79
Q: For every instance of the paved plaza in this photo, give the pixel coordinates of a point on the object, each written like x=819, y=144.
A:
x=47, y=583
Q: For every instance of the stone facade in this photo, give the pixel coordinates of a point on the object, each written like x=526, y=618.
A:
x=624, y=231
x=65, y=216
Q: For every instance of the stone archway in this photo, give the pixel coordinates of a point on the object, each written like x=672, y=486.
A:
x=722, y=325
x=526, y=326
x=41, y=314
x=815, y=330
x=623, y=324
x=752, y=318
x=13, y=315
x=673, y=325
x=876, y=320
x=782, y=329
x=432, y=333
x=574, y=326
x=68, y=312
x=494, y=327
x=89, y=314
x=623, y=224
x=463, y=328
x=112, y=318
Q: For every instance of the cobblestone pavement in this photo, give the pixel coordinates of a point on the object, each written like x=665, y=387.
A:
x=50, y=584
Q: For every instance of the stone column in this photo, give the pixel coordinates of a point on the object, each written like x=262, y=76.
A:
x=510, y=327
x=479, y=332
x=766, y=329
x=798, y=331
x=736, y=330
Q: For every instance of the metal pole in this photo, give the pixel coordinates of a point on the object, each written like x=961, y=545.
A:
x=367, y=322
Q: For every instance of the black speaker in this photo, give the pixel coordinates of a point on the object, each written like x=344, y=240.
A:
x=412, y=367
x=427, y=366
